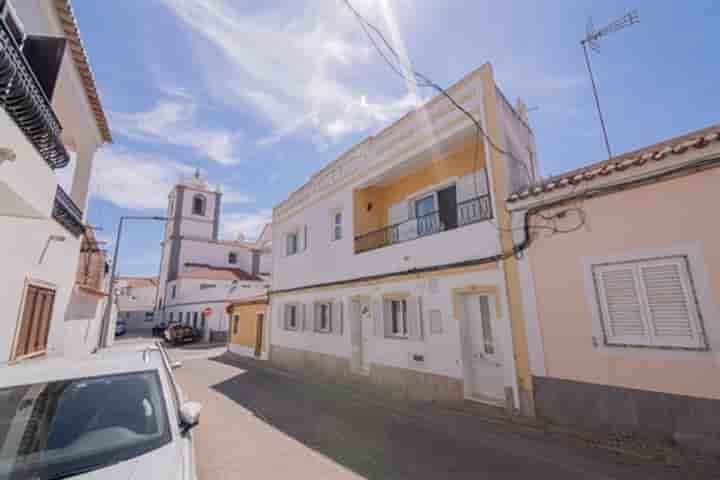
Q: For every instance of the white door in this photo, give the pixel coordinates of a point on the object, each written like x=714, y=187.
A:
x=361, y=330
x=482, y=355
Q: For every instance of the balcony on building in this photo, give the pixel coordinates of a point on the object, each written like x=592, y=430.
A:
x=31, y=131
x=440, y=190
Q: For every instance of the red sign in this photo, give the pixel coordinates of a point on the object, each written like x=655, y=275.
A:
x=207, y=311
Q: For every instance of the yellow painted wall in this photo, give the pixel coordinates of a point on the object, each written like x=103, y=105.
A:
x=457, y=164
x=247, y=327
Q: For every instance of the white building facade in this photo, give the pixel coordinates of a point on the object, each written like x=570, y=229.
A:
x=51, y=119
x=135, y=299
x=200, y=274
x=387, y=265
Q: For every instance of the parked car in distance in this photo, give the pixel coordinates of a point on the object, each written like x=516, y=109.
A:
x=120, y=328
x=178, y=333
x=116, y=414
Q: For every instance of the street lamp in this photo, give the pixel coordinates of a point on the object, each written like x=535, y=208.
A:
x=108, y=307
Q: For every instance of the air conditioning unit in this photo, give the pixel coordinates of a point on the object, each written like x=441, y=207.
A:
x=10, y=18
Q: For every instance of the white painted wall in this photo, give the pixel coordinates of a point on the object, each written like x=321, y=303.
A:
x=215, y=254
x=22, y=260
x=442, y=351
x=326, y=260
x=83, y=323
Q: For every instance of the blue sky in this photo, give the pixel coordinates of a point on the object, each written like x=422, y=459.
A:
x=259, y=95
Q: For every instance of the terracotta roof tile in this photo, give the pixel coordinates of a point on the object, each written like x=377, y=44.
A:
x=660, y=151
x=140, y=282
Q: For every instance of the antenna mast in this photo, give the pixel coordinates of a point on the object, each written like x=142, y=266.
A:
x=591, y=40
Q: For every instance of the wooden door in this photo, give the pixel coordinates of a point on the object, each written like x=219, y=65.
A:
x=35, y=321
x=259, y=333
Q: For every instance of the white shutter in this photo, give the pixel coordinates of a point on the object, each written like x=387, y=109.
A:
x=377, y=313
x=304, y=324
x=282, y=315
x=621, y=305
x=414, y=318
x=670, y=303
x=336, y=323
x=398, y=213
x=387, y=318
x=466, y=186
x=306, y=238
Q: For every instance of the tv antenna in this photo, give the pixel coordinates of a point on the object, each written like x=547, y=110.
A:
x=591, y=41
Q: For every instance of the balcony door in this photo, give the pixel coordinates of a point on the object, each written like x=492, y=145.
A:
x=447, y=208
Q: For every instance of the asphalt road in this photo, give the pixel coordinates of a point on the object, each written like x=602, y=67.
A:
x=259, y=422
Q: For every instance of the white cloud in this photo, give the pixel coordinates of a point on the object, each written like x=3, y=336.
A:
x=248, y=224
x=174, y=121
x=291, y=64
x=136, y=180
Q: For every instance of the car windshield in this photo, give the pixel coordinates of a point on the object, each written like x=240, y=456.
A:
x=51, y=430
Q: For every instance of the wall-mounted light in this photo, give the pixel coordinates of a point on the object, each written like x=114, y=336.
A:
x=7, y=155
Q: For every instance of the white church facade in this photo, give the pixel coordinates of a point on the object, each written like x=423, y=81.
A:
x=200, y=274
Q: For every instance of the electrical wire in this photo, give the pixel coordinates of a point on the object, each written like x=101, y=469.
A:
x=411, y=76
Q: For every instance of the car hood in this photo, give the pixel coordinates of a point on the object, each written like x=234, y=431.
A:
x=165, y=463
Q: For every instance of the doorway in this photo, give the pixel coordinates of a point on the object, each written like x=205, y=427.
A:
x=481, y=350
x=259, y=333
x=447, y=207
x=360, y=332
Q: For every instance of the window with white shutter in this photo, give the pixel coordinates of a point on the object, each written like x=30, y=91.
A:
x=649, y=303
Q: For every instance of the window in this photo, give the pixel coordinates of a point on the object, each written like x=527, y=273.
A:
x=232, y=258
x=323, y=312
x=236, y=324
x=292, y=243
x=398, y=318
x=198, y=205
x=171, y=316
x=206, y=286
x=180, y=315
x=291, y=321
x=195, y=319
x=649, y=303
x=149, y=316
x=337, y=226
x=173, y=291
x=202, y=320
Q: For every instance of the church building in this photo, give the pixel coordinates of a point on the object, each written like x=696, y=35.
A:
x=200, y=274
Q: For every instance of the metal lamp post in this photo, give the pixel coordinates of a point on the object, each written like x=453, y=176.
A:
x=111, y=295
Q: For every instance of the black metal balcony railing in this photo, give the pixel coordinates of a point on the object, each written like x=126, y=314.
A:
x=67, y=213
x=471, y=211
x=24, y=100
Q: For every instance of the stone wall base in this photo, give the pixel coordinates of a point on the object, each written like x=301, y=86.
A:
x=624, y=410
x=398, y=383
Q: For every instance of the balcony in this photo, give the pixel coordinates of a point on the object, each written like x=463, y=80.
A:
x=468, y=212
x=67, y=213
x=24, y=99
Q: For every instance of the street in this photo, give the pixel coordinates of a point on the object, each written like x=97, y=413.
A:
x=260, y=422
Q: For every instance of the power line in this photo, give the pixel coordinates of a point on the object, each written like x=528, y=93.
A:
x=410, y=75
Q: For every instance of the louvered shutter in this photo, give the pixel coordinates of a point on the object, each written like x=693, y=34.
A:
x=621, y=305
x=377, y=313
x=466, y=186
x=671, y=308
x=387, y=318
x=414, y=318
x=336, y=323
x=304, y=324
x=316, y=317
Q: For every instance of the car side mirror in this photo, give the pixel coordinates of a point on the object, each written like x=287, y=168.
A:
x=189, y=415
x=176, y=364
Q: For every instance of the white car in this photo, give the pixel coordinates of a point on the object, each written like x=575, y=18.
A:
x=118, y=414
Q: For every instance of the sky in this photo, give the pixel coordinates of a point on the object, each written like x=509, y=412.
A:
x=259, y=95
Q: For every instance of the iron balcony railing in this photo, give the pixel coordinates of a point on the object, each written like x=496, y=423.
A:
x=67, y=213
x=471, y=211
x=24, y=100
